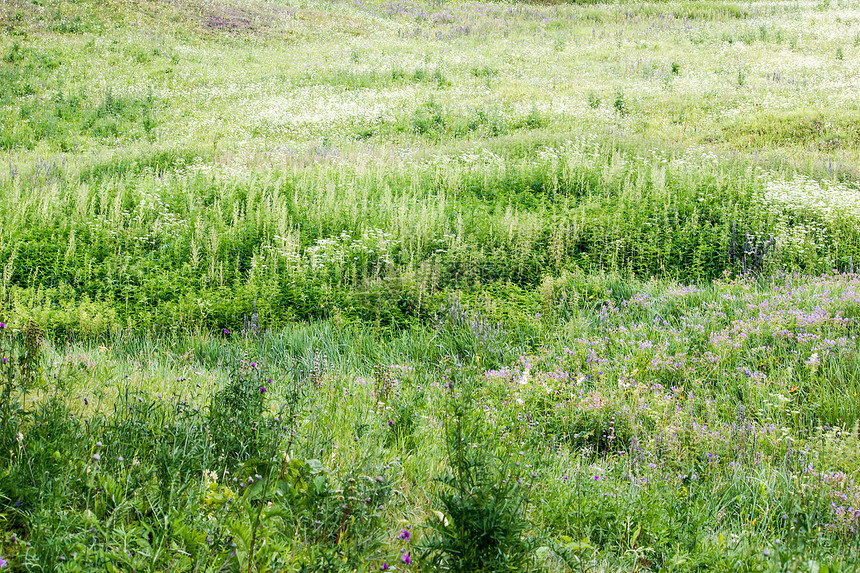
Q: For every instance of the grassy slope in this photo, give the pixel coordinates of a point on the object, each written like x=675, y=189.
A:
x=497, y=199
x=345, y=156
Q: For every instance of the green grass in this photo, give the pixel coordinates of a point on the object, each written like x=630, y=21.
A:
x=314, y=286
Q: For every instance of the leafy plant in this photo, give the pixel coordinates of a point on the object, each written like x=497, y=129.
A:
x=480, y=524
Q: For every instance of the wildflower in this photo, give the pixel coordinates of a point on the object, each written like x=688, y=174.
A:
x=226, y=331
x=384, y=566
x=262, y=389
x=406, y=559
x=2, y=325
x=3, y=562
x=596, y=478
x=404, y=535
x=253, y=364
x=96, y=457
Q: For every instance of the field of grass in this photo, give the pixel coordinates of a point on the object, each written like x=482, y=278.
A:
x=330, y=285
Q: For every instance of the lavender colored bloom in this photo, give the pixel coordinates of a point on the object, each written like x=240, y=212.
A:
x=226, y=331
x=3, y=562
x=262, y=389
x=384, y=566
x=404, y=535
x=3, y=325
x=406, y=559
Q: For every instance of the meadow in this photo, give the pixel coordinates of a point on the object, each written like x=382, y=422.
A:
x=331, y=285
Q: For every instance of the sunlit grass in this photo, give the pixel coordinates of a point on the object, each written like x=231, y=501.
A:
x=348, y=286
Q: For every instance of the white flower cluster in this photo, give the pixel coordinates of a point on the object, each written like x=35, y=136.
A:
x=833, y=201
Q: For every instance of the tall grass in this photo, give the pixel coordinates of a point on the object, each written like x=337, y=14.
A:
x=144, y=243
x=655, y=426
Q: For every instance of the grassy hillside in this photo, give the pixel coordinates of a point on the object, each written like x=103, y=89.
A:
x=443, y=286
x=169, y=163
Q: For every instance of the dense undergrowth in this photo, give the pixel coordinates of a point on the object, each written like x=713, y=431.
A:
x=670, y=428
x=151, y=242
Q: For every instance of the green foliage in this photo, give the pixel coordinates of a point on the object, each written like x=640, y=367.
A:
x=480, y=525
x=236, y=412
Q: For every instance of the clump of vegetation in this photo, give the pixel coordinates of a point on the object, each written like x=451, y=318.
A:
x=483, y=287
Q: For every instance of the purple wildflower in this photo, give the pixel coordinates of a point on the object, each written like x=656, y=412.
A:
x=404, y=535
x=384, y=566
x=406, y=559
x=3, y=562
x=262, y=389
x=226, y=331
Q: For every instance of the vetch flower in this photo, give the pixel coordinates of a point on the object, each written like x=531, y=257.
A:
x=406, y=559
x=3, y=562
x=404, y=535
x=262, y=389
x=384, y=566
